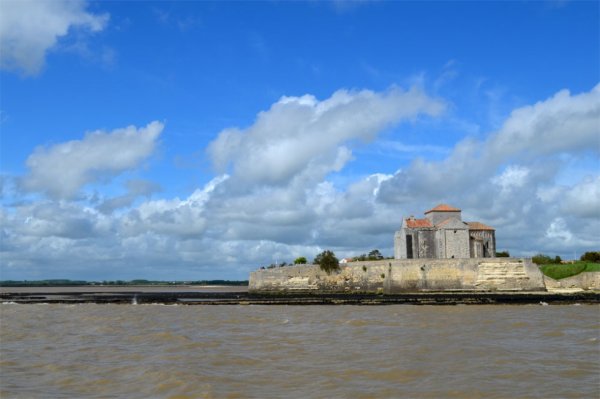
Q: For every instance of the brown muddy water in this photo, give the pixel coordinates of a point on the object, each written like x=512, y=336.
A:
x=154, y=351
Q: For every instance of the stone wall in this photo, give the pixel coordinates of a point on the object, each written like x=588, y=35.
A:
x=400, y=244
x=354, y=277
x=453, y=243
x=405, y=275
x=583, y=281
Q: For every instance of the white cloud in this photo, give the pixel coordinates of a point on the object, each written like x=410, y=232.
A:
x=135, y=188
x=62, y=170
x=29, y=28
x=536, y=134
x=60, y=219
x=305, y=136
x=510, y=179
x=179, y=218
x=583, y=199
x=558, y=232
x=562, y=123
x=513, y=177
x=257, y=216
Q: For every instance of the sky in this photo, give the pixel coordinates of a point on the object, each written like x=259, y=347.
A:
x=201, y=140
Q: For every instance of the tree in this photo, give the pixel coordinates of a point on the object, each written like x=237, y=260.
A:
x=327, y=261
x=375, y=255
x=503, y=254
x=591, y=256
x=557, y=260
x=300, y=261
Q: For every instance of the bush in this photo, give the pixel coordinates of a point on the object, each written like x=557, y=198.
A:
x=541, y=259
x=327, y=261
x=300, y=261
x=503, y=254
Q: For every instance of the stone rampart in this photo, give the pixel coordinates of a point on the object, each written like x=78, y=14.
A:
x=405, y=275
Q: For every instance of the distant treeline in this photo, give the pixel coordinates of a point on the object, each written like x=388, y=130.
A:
x=64, y=282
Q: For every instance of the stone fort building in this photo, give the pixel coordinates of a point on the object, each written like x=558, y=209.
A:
x=442, y=234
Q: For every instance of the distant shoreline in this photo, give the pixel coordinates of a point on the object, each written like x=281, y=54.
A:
x=91, y=289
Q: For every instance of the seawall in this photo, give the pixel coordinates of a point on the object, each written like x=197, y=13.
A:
x=393, y=276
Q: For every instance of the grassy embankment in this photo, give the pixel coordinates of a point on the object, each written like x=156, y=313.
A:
x=567, y=270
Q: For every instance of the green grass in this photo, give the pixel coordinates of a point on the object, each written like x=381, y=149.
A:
x=562, y=271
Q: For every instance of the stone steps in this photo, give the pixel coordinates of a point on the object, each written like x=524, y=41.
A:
x=501, y=275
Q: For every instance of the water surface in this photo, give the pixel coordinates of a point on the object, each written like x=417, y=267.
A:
x=110, y=351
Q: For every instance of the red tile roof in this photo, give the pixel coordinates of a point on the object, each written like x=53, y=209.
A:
x=415, y=223
x=479, y=226
x=443, y=208
x=445, y=222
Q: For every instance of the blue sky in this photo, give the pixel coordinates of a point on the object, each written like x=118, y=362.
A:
x=189, y=140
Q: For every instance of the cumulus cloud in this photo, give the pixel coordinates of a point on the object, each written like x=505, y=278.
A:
x=180, y=218
x=583, y=199
x=302, y=135
x=29, y=28
x=135, y=189
x=61, y=170
x=564, y=123
x=250, y=215
x=561, y=123
x=510, y=178
x=513, y=177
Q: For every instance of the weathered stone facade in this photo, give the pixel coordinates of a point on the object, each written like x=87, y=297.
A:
x=443, y=235
x=406, y=275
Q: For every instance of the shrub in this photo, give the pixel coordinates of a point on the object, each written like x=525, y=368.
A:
x=541, y=259
x=503, y=254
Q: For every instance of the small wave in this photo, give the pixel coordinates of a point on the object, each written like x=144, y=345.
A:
x=9, y=303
